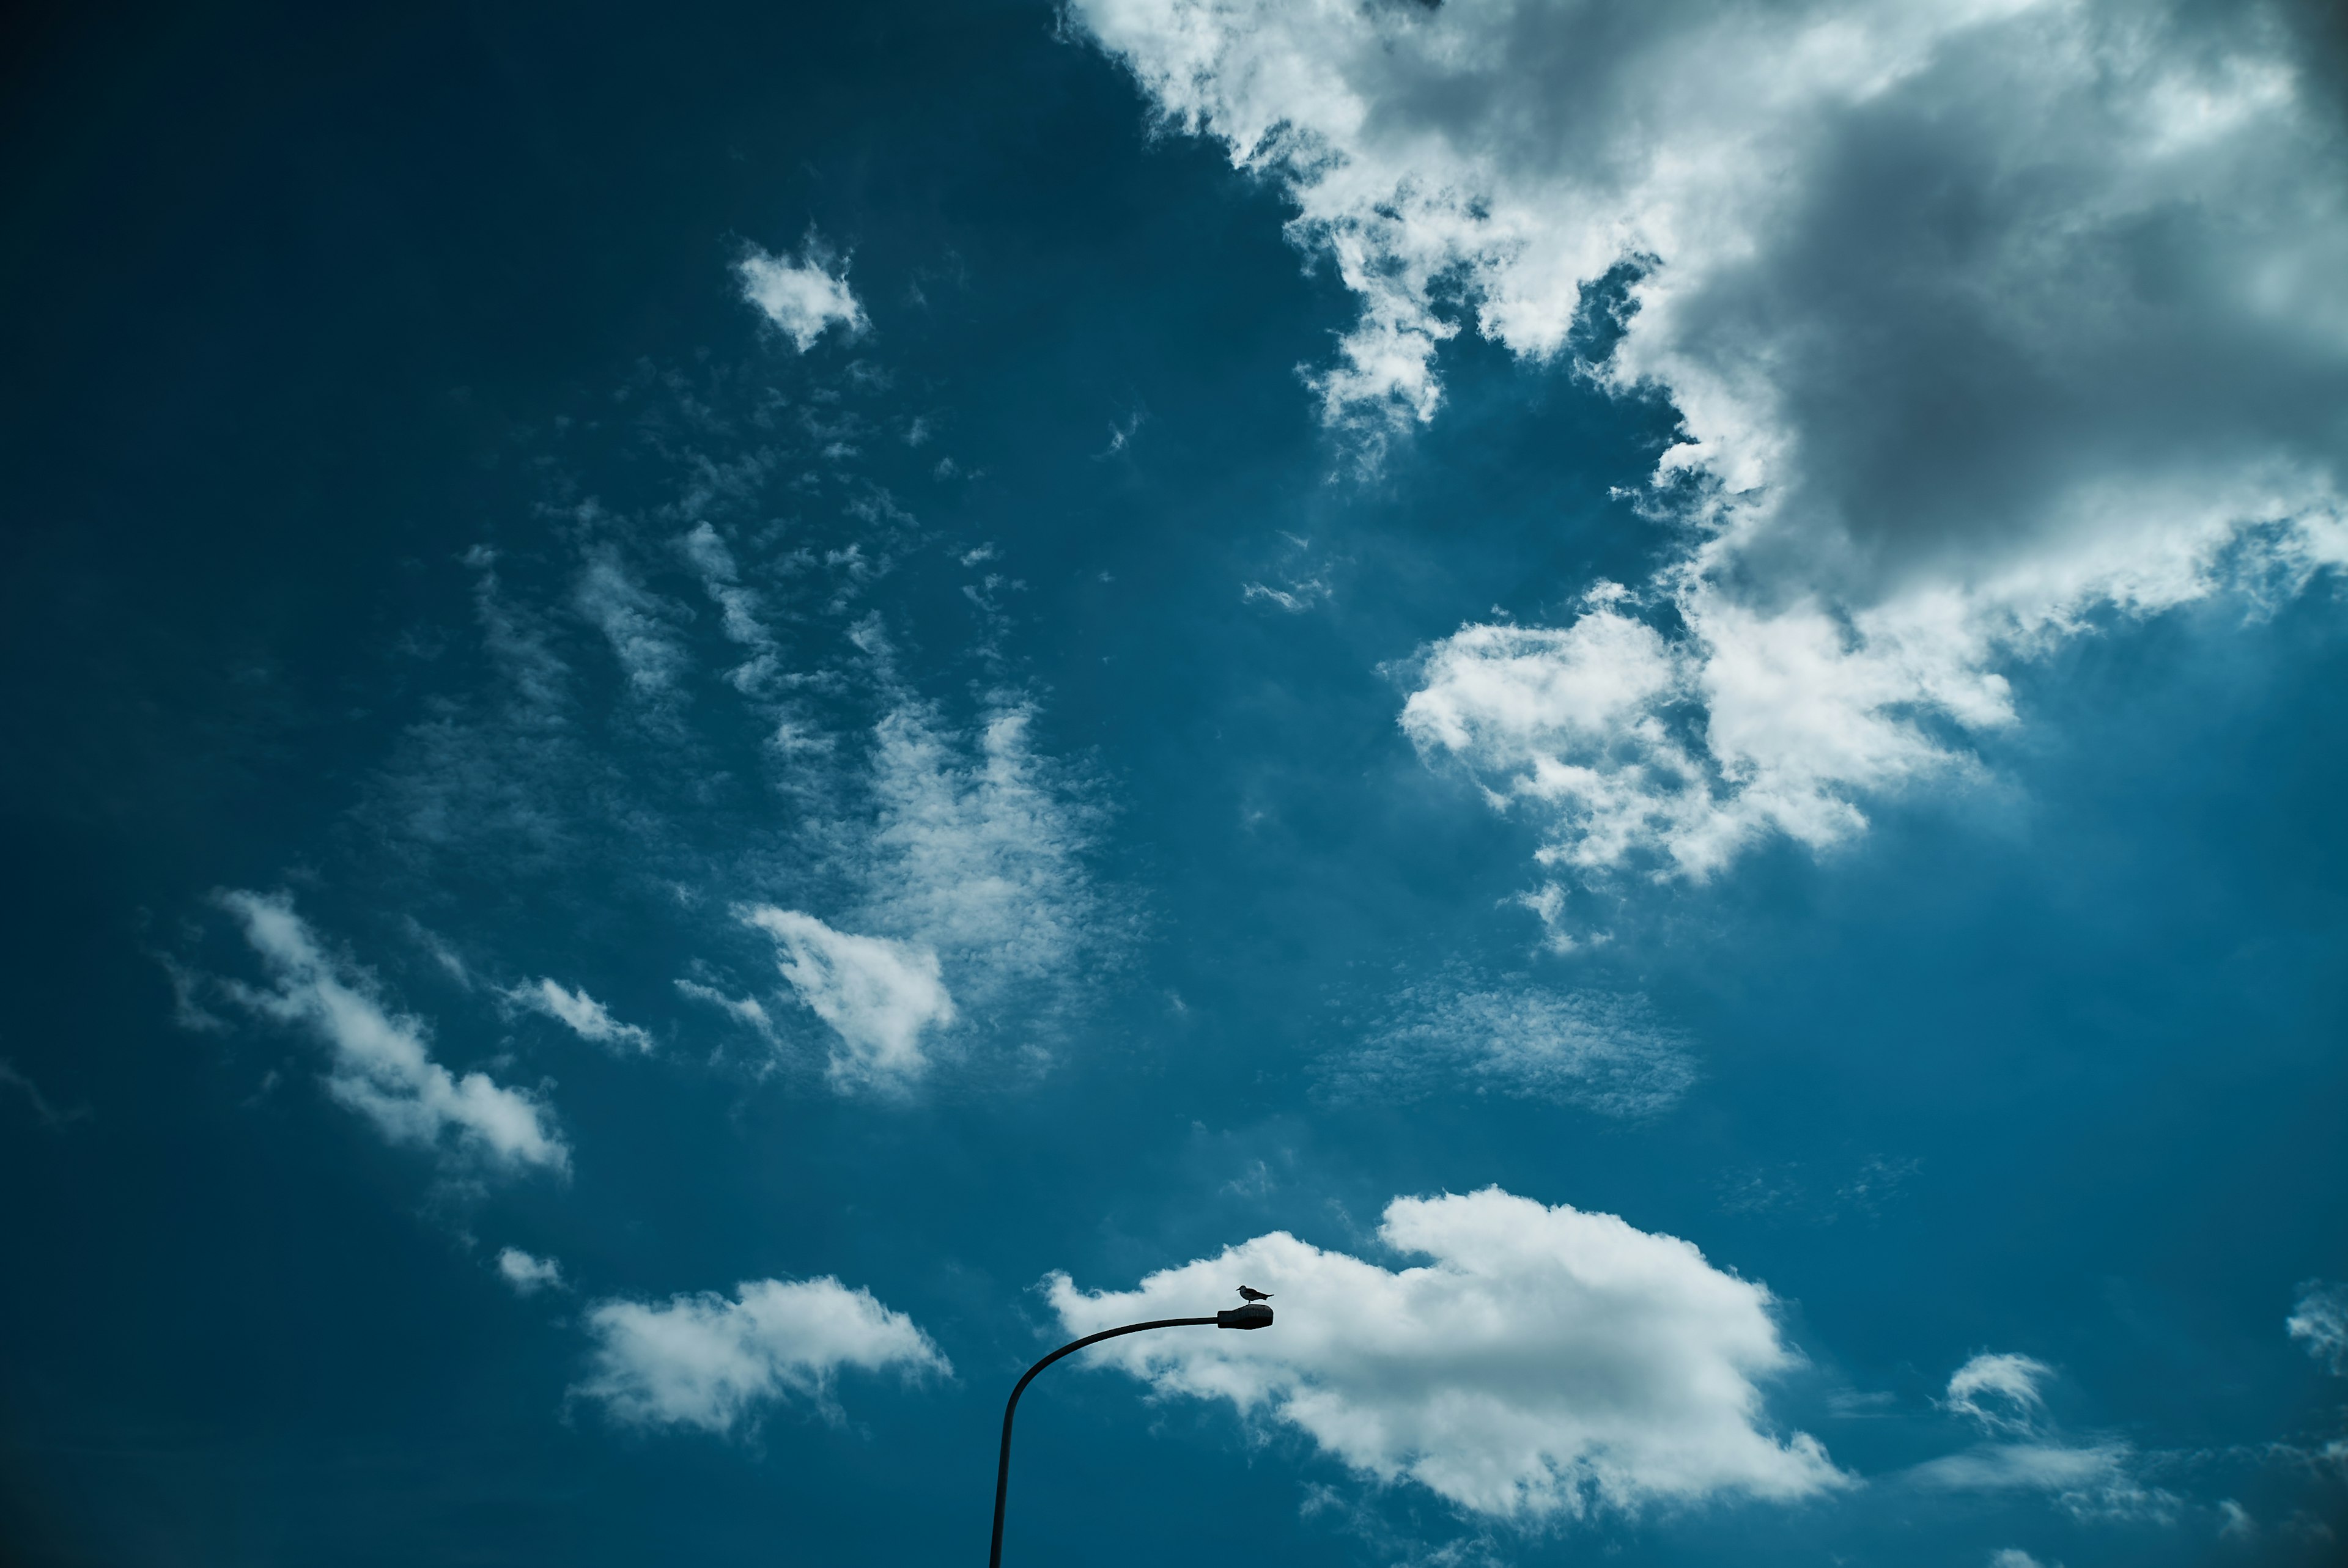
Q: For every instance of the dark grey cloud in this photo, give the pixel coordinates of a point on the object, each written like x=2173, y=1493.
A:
x=1981, y=321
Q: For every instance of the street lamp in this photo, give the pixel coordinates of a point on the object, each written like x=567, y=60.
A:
x=1254, y=1315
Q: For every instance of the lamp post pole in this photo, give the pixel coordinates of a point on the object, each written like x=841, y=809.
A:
x=1253, y=1315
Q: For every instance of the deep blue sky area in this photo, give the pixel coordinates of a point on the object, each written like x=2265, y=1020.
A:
x=369, y=372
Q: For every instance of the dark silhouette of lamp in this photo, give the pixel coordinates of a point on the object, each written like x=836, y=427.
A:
x=1254, y=1315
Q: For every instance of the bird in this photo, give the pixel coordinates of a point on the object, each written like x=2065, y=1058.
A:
x=1251, y=1294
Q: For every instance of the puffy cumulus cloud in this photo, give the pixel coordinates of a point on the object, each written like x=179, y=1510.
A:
x=1641, y=748
x=2319, y=1322
x=804, y=296
x=529, y=1275
x=1575, y=1048
x=581, y=1013
x=1981, y=321
x=878, y=996
x=2002, y=1394
x=1544, y=1363
x=710, y=1363
x=383, y=1067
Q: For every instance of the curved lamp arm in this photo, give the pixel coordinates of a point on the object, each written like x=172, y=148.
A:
x=1256, y=1315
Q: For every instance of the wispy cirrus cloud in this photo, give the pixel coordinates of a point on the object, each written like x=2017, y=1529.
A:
x=780, y=753
x=1916, y=448
x=2002, y=1393
x=1607, y=1052
x=381, y=1060
x=582, y=1014
x=1545, y=1364
x=2319, y=1320
x=714, y=1364
x=976, y=846
x=41, y=1105
x=638, y=625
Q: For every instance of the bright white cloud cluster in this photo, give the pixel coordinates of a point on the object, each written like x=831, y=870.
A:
x=1575, y=1048
x=581, y=1013
x=382, y=1065
x=2001, y=1393
x=879, y=997
x=1545, y=1362
x=1982, y=319
x=803, y=296
x=706, y=1362
x=2319, y=1322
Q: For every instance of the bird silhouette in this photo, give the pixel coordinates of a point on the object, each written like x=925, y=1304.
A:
x=1251, y=1294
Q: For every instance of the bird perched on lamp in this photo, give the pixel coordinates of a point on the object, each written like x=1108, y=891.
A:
x=1249, y=1293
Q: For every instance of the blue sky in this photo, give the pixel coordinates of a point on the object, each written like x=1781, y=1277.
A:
x=721, y=718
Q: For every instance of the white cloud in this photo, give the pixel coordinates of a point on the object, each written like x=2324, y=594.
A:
x=805, y=295
x=1579, y=1048
x=50, y=1116
x=975, y=851
x=706, y=1362
x=582, y=1014
x=2319, y=1321
x=2002, y=1394
x=636, y=623
x=529, y=1275
x=749, y=1011
x=1296, y=598
x=1981, y=320
x=1545, y=1363
x=740, y=609
x=2000, y=1391
x=878, y=996
x=2014, y=1557
x=383, y=1066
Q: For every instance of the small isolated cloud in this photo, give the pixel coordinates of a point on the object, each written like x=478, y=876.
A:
x=382, y=1060
x=1296, y=598
x=803, y=296
x=748, y=1011
x=42, y=1107
x=582, y=1014
x=1577, y=1047
x=2319, y=1322
x=1546, y=1363
x=878, y=996
x=529, y=1275
x=706, y=1362
x=1121, y=434
x=2015, y=1557
x=2001, y=1393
